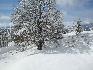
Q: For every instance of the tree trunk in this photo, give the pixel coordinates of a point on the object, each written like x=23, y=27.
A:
x=40, y=44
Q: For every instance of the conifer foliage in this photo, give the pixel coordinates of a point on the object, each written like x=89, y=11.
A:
x=36, y=21
x=78, y=27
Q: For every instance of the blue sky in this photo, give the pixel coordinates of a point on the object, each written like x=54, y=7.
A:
x=72, y=10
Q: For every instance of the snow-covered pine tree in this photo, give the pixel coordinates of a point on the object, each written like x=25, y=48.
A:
x=36, y=21
x=78, y=27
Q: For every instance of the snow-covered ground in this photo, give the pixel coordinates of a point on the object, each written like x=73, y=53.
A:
x=48, y=62
x=74, y=53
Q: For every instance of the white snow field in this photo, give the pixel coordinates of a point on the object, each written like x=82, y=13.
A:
x=50, y=62
x=79, y=57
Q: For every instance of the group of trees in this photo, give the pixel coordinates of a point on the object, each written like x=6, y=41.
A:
x=77, y=27
x=4, y=36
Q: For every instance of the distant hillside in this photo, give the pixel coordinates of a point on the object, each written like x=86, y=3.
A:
x=87, y=27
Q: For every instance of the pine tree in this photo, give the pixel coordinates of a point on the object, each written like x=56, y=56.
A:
x=78, y=27
x=36, y=21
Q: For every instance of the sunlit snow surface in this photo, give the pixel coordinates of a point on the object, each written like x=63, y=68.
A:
x=79, y=57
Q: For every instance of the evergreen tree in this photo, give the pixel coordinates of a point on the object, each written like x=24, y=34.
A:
x=78, y=27
x=36, y=21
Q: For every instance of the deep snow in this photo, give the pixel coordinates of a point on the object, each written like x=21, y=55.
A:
x=64, y=57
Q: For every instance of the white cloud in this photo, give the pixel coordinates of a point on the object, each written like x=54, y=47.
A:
x=68, y=23
x=4, y=20
x=66, y=2
x=3, y=17
x=72, y=2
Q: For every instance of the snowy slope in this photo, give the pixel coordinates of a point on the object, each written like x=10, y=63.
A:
x=64, y=57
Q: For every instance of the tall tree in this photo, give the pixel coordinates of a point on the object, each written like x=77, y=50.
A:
x=36, y=21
